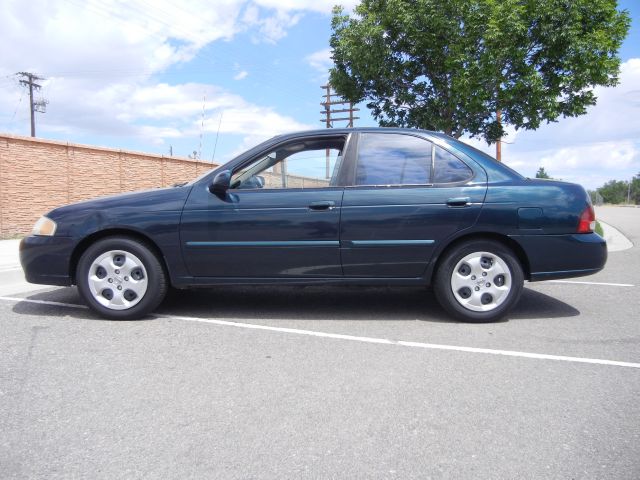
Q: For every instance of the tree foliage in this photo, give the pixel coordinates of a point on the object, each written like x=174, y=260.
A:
x=617, y=191
x=542, y=173
x=635, y=190
x=450, y=65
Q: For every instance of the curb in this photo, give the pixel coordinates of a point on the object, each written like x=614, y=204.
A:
x=616, y=241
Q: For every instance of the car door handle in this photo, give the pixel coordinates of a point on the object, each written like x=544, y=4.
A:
x=326, y=205
x=458, y=202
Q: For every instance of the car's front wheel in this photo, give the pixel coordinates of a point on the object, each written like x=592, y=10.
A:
x=120, y=278
x=479, y=281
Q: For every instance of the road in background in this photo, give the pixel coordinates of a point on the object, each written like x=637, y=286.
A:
x=176, y=397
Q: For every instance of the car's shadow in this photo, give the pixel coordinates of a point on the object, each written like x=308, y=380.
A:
x=303, y=303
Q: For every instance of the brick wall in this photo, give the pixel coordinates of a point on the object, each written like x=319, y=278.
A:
x=274, y=180
x=38, y=175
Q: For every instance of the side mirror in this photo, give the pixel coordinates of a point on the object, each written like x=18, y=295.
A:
x=221, y=183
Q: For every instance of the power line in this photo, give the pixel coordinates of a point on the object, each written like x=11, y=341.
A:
x=40, y=106
x=17, y=106
x=120, y=14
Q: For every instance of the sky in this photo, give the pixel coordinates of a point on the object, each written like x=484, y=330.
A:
x=216, y=78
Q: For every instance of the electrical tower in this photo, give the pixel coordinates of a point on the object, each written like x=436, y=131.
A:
x=331, y=100
x=40, y=106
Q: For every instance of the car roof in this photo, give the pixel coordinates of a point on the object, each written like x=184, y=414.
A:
x=347, y=130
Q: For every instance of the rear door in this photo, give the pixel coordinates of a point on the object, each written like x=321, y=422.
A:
x=407, y=195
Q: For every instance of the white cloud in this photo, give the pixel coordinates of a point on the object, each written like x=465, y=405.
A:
x=110, y=36
x=108, y=39
x=615, y=116
x=163, y=110
x=269, y=28
x=288, y=13
x=591, y=149
x=607, y=155
x=320, y=60
x=590, y=164
x=255, y=120
x=100, y=58
x=322, y=6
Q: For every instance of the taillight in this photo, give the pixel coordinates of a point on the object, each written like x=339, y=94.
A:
x=587, y=222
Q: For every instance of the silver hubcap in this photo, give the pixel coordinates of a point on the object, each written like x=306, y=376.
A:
x=118, y=280
x=481, y=281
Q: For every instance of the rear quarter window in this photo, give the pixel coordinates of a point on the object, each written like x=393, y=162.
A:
x=448, y=168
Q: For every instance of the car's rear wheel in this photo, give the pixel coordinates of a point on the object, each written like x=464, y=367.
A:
x=479, y=281
x=121, y=278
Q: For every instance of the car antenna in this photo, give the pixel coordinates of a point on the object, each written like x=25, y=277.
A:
x=215, y=145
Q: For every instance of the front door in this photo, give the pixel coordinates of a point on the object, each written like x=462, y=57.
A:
x=280, y=218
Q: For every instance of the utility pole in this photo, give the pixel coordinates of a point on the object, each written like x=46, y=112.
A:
x=30, y=79
x=499, y=142
x=332, y=99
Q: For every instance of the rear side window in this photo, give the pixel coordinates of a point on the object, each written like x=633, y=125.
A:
x=449, y=168
x=393, y=159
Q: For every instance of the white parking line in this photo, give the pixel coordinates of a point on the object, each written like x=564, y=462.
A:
x=432, y=346
x=353, y=338
x=593, y=283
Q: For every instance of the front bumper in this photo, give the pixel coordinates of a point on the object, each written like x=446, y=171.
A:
x=46, y=260
x=563, y=256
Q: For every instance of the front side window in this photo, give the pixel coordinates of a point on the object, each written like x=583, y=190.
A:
x=312, y=163
x=393, y=159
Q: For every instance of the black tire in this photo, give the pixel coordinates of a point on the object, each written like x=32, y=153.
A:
x=152, y=274
x=500, y=297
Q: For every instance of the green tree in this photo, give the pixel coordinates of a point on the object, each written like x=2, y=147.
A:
x=450, y=66
x=635, y=189
x=614, y=191
x=542, y=173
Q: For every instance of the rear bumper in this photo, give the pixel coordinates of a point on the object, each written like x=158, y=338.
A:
x=563, y=256
x=46, y=260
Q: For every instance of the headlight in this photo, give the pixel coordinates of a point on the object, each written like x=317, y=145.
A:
x=44, y=226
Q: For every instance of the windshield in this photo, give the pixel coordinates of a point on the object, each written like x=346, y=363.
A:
x=248, y=152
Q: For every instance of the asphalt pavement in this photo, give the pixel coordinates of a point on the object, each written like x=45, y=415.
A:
x=317, y=382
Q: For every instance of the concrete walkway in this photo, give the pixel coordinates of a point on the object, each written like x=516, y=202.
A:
x=9, y=255
x=616, y=241
x=625, y=220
